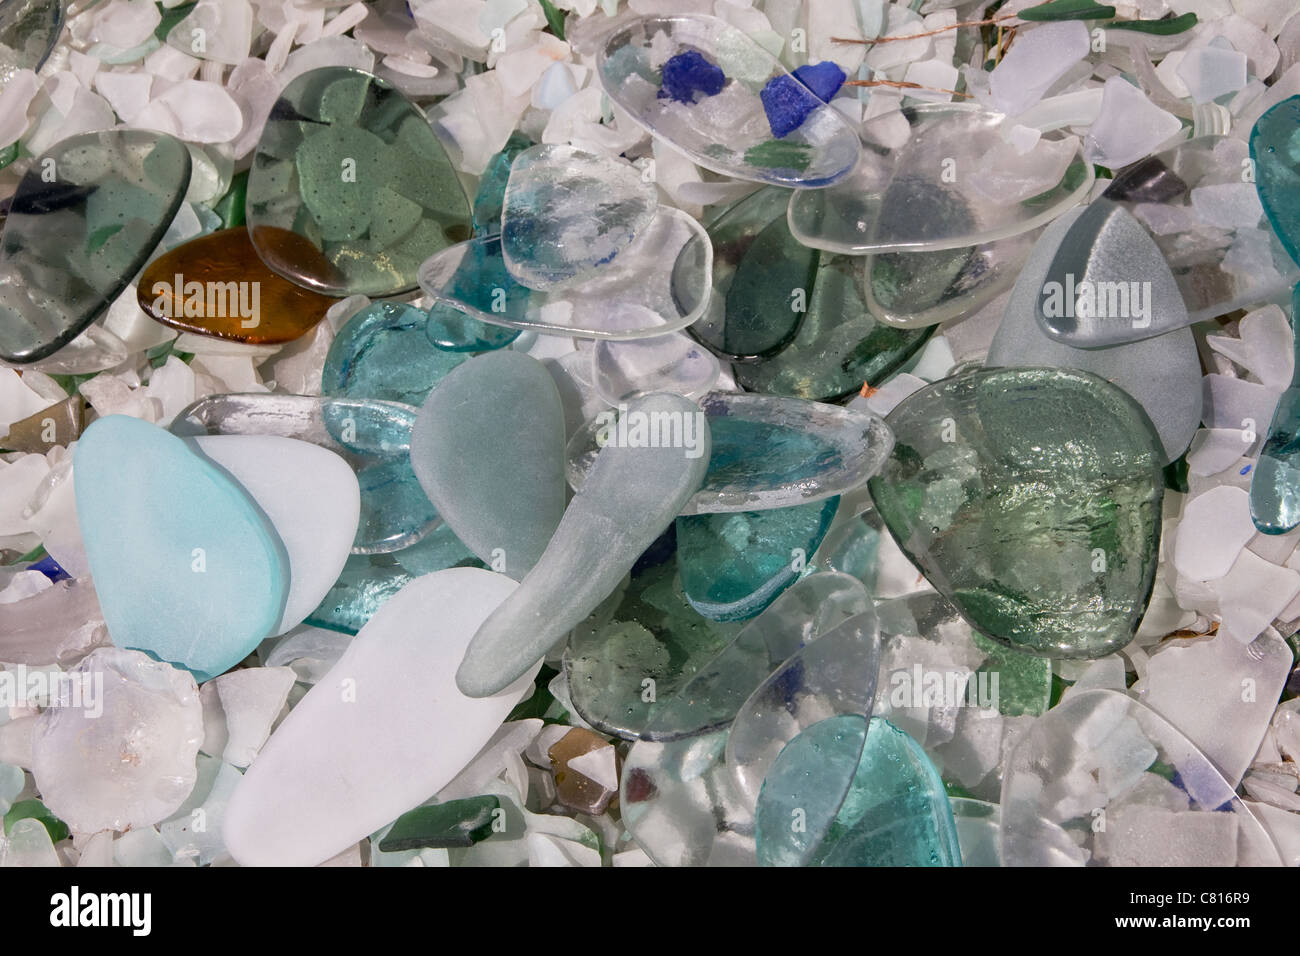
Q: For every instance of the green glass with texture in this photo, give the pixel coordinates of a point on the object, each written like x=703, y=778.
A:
x=1030, y=498
x=72, y=244
x=895, y=812
x=352, y=166
x=1275, y=485
x=28, y=31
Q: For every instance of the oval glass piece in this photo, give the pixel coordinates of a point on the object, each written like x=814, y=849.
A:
x=941, y=176
x=1099, y=753
x=352, y=167
x=372, y=436
x=659, y=283
x=768, y=452
x=726, y=130
x=28, y=31
x=70, y=246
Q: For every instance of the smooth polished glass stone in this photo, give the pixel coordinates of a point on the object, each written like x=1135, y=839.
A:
x=1275, y=483
x=568, y=211
x=488, y=450
x=632, y=494
x=374, y=437
x=895, y=813
x=1108, y=283
x=490, y=200
x=585, y=768
x=728, y=132
x=454, y=331
x=216, y=285
x=60, y=424
x=733, y=565
x=941, y=176
x=369, y=580
x=383, y=353
x=691, y=801
x=658, y=284
x=1206, y=220
x=1030, y=498
x=72, y=245
x=768, y=452
x=1099, y=754
x=351, y=165
x=646, y=632
x=442, y=825
x=217, y=574
x=325, y=780
x=1163, y=374
x=1275, y=149
x=720, y=663
x=28, y=31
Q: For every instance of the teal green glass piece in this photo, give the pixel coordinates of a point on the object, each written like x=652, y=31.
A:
x=1275, y=152
x=1030, y=498
x=28, y=31
x=71, y=245
x=368, y=580
x=353, y=168
x=490, y=199
x=443, y=825
x=1275, y=484
x=374, y=437
x=896, y=812
x=186, y=566
x=647, y=632
x=734, y=565
x=454, y=331
x=1024, y=682
x=796, y=321
x=35, y=810
x=382, y=352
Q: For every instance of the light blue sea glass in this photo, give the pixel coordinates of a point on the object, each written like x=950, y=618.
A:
x=383, y=352
x=1275, y=484
x=185, y=565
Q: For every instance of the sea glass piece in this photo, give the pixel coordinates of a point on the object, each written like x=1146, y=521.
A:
x=383, y=353
x=216, y=285
x=632, y=494
x=352, y=166
x=685, y=801
x=1208, y=224
x=28, y=31
x=374, y=437
x=654, y=634
x=794, y=317
x=735, y=564
x=490, y=200
x=488, y=450
x=727, y=132
x=1163, y=374
x=1275, y=483
x=72, y=244
x=442, y=825
x=186, y=566
x=658, y=284
x=311, y=498
x=218, y=30
x=325, y=779
x=60, y=424
x=901, y=199
x=1030, y=498
x=568, y=211
x=896, y=812
x=1099, y=754
x=1277, y=170
x=117, y=748
x=979, y=826
x=585, y=768
x=1108, y=283
x=768, y=452
x=454, y=331
x=57, y=625
x=666, y=363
